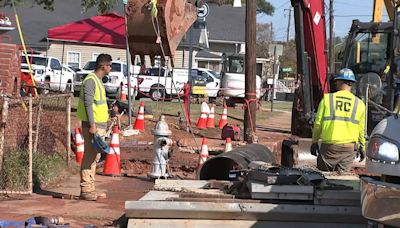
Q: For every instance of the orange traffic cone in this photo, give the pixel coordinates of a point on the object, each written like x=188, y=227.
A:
x=139, y=122
x=112, y=164
x=80, y=146
x=211, y=118
x=202, y=122
x=124, y=93
x=203, y=156
x=228, y=145
x=224, y=118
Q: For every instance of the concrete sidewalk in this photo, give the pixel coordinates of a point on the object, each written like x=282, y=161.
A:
x=78, y=213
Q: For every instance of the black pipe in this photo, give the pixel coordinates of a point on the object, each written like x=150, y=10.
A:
x=219, y=166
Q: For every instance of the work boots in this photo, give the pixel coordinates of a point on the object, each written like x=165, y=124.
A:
x=91, y=196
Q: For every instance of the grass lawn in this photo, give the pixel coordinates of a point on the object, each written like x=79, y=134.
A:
x=172, y=108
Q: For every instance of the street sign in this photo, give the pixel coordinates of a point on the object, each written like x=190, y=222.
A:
x=273, y=47
x=203, y=11
x=287, y=70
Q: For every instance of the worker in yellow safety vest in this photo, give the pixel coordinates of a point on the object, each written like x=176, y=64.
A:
x=93, y=112
x=339, y=123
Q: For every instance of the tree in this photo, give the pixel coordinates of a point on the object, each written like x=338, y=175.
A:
x=289, y=57
x=263, y=6
x=263, y=39
x=102, y=6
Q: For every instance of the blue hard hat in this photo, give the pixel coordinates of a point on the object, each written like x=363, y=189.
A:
x=346, y=75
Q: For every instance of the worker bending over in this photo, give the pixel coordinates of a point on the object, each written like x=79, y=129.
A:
x=93, y=112
x=339, y=123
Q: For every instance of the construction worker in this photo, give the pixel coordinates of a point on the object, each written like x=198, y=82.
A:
x=340, y=125
x=93, y=112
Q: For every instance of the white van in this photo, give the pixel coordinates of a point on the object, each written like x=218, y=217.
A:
x=112, y=82
x=233, y=80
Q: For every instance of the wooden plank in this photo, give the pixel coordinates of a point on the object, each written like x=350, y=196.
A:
x=158, y=195
x=186, y=183
x=180, y=183
x=184, y=223
x=243, y=211
x=284, y=192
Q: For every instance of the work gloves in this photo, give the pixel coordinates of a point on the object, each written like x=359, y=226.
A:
x=314, y=149
x=360, y=154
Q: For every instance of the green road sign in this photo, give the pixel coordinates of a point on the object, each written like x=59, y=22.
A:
x=287, y=70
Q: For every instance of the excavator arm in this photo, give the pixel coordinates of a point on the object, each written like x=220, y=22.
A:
x=311, y=63
x=378, y=6
x=156, y=27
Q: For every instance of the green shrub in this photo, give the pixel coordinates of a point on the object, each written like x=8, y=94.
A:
x=14, y=175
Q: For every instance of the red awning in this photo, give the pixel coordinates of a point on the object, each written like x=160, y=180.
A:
x=107, y=29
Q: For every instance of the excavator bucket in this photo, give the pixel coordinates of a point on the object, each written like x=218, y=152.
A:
x=158, y=32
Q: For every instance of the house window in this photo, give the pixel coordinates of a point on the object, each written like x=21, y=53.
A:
x=73, y=59
x=94, y=56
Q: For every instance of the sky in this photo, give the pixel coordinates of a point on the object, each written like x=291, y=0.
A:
x=344, y=12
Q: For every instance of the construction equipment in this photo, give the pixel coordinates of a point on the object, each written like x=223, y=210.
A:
x=155, y=28
x=372, y=52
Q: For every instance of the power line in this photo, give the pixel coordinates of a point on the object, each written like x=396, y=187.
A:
x=365, y=15
x=282, y=5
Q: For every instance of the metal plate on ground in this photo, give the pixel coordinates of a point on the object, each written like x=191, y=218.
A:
x=282, y=192
x=337, y=197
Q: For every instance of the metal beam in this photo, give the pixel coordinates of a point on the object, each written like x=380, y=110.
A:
x=243, y=211
x=184, y=223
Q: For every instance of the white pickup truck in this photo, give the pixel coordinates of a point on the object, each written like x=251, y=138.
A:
x=160, y=82
x=48, y=73
x=112, y=82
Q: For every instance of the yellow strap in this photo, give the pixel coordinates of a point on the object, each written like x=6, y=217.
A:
x=154, y=10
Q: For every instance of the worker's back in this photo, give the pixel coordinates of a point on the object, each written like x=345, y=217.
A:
x=342, y=117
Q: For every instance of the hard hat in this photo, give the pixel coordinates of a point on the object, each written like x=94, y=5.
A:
x=346, y=75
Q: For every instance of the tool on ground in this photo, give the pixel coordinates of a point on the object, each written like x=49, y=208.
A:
x=161, y=149
x=231, y=131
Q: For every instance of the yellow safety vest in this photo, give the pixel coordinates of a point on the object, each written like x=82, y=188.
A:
x=340, y=119
x=100, y=108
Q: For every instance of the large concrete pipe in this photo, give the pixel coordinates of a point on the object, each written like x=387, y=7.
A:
x=219, y=166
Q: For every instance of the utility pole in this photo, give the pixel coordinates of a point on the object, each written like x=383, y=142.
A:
x=331, y=38
x=272, y=33
x=288, y=25
x=250, y=74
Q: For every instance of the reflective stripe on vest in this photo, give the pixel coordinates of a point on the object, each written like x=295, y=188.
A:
x=332, y=115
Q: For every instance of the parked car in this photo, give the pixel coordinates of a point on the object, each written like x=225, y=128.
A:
x=48, y=73
x=112, y=82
